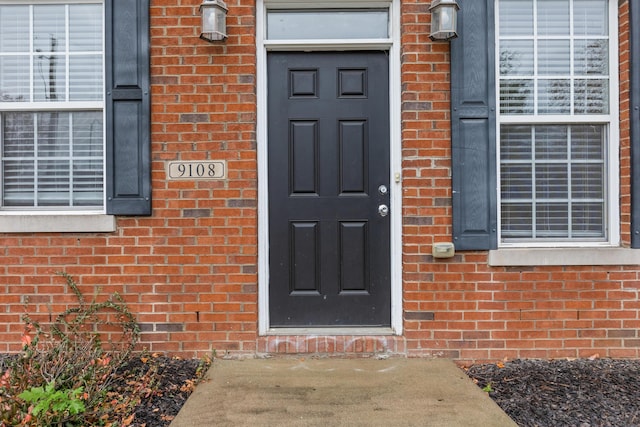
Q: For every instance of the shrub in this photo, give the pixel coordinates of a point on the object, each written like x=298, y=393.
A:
x=63, y=375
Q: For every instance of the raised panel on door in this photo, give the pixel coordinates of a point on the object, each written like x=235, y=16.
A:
x=303, y=156
x=354, y=171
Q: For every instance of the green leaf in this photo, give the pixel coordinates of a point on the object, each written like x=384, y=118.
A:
x=76, y=407
x=32, y=395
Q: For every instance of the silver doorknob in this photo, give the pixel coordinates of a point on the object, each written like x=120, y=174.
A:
x=383, y=210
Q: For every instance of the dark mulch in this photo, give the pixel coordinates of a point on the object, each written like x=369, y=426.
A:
x=166, y=383
x=175, y=379
x=581, y=393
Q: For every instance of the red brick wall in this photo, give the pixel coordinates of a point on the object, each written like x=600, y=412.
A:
x=625, y=126
x=203, y=239
x=190, y=271
x=463, y=308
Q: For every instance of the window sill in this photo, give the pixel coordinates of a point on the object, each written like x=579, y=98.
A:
x=563, y=256
x=41, y=223
x=355, y=331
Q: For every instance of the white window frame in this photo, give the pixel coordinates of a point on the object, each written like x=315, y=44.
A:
x=611, y=121
x=90, y=219
x=392, y=45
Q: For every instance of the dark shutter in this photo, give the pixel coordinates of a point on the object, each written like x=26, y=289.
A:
x=635, y=123
x=473, y=133
x=127, y=105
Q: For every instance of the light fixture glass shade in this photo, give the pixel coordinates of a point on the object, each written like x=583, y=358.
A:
x=214, y=20
x=444, y=19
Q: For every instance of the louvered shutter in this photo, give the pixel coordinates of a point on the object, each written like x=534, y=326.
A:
x=473, y=122
x=127, y=105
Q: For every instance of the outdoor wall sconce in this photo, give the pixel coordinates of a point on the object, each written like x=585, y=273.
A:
x=444, y=19
x=214, y=20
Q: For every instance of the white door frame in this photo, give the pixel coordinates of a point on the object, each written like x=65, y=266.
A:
x=392, y=45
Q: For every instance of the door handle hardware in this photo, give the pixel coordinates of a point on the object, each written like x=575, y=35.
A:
x=383, y=210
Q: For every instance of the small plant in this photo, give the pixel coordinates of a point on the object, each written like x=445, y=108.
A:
x=56, y=405
x=64, y=374
x=487, y=388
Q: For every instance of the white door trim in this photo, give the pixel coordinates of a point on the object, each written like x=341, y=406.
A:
x=391, y=45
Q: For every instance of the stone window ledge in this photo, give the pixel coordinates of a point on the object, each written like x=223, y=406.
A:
x=94, y=223
x=523, y=257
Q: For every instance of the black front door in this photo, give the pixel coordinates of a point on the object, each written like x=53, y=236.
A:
x=328, y=154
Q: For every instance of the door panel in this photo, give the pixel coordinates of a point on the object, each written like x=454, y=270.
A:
x=353, y=161
x=304, y=159
x=354, y=257
x=304, y=253
x=328, y=153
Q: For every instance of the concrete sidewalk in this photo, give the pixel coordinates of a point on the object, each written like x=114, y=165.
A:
x=338, y=392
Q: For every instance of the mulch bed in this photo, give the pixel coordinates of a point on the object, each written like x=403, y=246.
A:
x=176, y=380
x=581, y=393
x=166, y=383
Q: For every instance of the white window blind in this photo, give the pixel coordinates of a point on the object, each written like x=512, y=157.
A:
x=553, y=181
x=51, y=106
x=554, y=119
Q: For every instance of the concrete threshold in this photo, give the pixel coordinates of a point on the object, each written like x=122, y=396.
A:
x=338, y=392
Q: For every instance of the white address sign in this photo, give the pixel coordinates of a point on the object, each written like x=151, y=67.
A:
x=215, y=169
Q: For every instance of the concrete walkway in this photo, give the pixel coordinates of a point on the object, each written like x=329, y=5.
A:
x=338, y=392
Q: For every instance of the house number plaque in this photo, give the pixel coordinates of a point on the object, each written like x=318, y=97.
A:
x=216, y=169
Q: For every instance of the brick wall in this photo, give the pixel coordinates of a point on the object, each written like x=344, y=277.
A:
x=203, y=98
x=190, y=271
x=464, y=309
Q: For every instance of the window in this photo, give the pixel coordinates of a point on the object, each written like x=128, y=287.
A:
x=313, y=24
x=556, y=122
x=51, y=107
